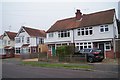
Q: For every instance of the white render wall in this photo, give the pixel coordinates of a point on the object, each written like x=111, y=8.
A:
x=12, y=43
x=96, y=34
x=25, y=34
x=21, y=43
x=55, y=37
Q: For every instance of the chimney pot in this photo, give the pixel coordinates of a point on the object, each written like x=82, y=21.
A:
x=78, y=14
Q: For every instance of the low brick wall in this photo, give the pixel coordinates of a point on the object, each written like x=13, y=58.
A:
x=110, y=54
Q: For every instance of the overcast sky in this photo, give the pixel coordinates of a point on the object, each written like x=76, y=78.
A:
x=42, y=15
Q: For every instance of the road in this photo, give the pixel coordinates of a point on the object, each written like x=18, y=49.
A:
x=13, y=69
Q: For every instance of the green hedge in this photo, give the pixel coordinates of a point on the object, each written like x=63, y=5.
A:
x=65, y=50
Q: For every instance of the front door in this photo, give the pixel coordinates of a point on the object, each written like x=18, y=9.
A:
x=53, y=51
x=101, y=47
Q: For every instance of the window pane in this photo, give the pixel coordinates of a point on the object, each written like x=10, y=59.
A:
x=82, y=29
x=91, y=32
x=82, y=32
x=81, y=43
x=77, y=43
x=85, y=46
x=102, y=30
x=86, y=32
x=78, y=33
x=61, y=34
x=107, y=47
x=81, y=47
x=106, y=29
x=68, y=34
x=65, y=34
x=90, y=27
x=89, y=46
x=85, y=43
x=58, y=34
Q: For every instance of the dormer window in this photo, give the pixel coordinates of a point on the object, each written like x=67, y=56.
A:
x=104, y=28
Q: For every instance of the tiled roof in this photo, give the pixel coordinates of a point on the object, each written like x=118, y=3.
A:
x=8, y=47
x=35, y=32
x=11, y=35
x=98, y=18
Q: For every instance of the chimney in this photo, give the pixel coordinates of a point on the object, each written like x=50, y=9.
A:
x=78, y=14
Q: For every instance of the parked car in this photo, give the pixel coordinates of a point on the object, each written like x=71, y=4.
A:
x=91, y=54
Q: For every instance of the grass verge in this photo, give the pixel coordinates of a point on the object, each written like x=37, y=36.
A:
x=57, y=65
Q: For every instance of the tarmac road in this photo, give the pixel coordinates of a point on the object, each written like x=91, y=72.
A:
x=12, y=69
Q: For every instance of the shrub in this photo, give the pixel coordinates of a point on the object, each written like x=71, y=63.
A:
x=65, y=50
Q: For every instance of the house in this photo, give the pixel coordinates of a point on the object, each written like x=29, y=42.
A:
x=28, y=39
x=8, y=43
x=95, y=30
x=2, y=53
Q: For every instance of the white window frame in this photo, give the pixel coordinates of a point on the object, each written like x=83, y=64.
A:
x=83, y=44
x=61, y=34
x=16, y=50
x=28, y=39
x=9, y=42
x=107, y=44
x=17, y=40
x=88, y=29
x=50, y=35
x=104, y=27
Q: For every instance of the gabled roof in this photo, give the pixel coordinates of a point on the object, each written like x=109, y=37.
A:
x=11, y=35
x=98, y=18
x=35, y=32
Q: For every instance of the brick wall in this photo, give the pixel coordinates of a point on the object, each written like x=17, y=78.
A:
x=110, y=54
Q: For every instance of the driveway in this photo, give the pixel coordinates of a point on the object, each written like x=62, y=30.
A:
x=13, y=69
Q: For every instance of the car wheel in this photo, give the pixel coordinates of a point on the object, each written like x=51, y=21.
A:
x=90, y=59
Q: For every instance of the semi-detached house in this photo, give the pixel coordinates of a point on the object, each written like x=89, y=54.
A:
x=8, y=44
x=97, y=30
x=28, y=39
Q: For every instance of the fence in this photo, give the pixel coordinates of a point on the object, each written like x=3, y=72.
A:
x=68, y=58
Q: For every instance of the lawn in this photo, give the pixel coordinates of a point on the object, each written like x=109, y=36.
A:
x=57, y=65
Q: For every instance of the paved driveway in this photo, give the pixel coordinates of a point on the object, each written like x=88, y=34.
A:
x=13, y=69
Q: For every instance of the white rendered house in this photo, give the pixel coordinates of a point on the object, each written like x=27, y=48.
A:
x=28, y=39
x=8, y=43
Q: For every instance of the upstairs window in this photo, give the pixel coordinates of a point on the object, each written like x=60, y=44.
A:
x=104, y=28
x=50, y=35
x=22, y=38
x=64, y=34
x=8, y=42
x=85, y=31
x=28, y=39
x=17, y=40
x=41, y=41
